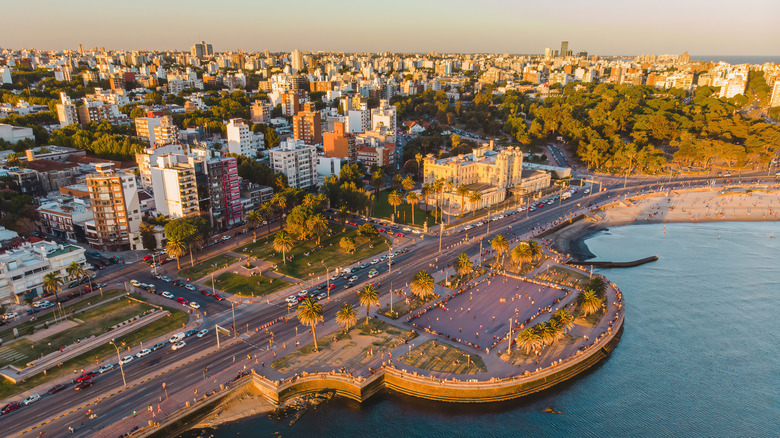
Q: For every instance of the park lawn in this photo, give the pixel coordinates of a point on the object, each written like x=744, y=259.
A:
x=175, y=321
x=443, y=358
x=383, y=209
x=96, y=321
x=27, y=328
x=303, y=266
x=401, y=307
x=455, y=279
x=206, y=267
x=243, y=286
x=563, y=276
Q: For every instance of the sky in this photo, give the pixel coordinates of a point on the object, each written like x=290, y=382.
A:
x=604, y=27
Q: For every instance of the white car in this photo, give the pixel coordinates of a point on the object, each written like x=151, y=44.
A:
x=125, y=360
x=194, y=305
x=165, y=279
x=178, y=345
x=143, y=353
x=31, y=399
x=11, y=315
x=135, y=283
x=202, y=333
x=105, y=368
x=39, y=304
x=225, y=237
x=292, y=299
x=168, y=295
x=375, y=261
x=372, y=273
x=189, y=287
x=353, y=278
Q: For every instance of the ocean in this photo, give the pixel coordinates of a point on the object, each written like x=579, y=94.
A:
x=698, y=356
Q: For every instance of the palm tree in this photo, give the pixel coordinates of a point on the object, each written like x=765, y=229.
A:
x=283, y=243
x=346, y=316
x=52, y=282
x=555, y=328
x=422, y=284
x=407, y=183
x=309, y=201
x=474, y=197
x=528, y=340
x=412, y=199
x=377, y=178
x=254, y=219
x=438, y=193
x=589, y=302
x=343, y=214
x=426, y=193
x=520, y=254
x=597, y=285
x=368, y=296
x=464, y=265
x=462, y=191
x=534, y=249
x=309, y=314
x=75, y=271
x=318, y=226
x=176, y=248
x=195, y=243
x=394, y=199
x=565, y=318
x=545, y=333
x=280, y=201
x=500, y=245
x=419, y=158
x=267, y=212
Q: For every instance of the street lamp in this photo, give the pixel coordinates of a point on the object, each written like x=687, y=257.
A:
x=233, y=308
x=124, y=382
x=327, y=277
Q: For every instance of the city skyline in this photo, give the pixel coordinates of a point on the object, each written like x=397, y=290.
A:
x=494, y=26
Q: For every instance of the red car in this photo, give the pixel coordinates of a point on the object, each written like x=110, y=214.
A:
x=353, y=223
x=381, y=230
x=399, y=234
x=218, y=297
x=57, y=388
x=83, y=385
x=331, y=287
x=84, y=377
x=10, y=407
x=205, y=293
x=182, y=300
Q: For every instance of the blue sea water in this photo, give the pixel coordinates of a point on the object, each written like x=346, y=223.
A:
x=699, y=355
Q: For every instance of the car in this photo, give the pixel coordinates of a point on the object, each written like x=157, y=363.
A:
x=101, y=284
x=32, y=398
x=83, y=385
x=157, y=346
x=353, y=278
x=86, y=376
x=189, y=287
x=182, y=300
x=165, y=278
x=205, y=293
x=334, y=278
x=167, y=294
x=226, y=237
x=375, y=261
x=143, y=353
x=586, y=191
x=218, y=297
x=105, y=368
x=364, y=266
x=194, y=305
x=178, y=345
x=321, y=295
x=373, y=273
x=189, y=333
x=399, y=234
x=10, y=407
x=38, y=304
x=178, y=283
x=126, y=360
x=135, y=283
x=381, y=230
x=407, y=229
x=331, y=286
x=11, y=315
x=348, y=285
x=303, y=293
x=202, y=333
x=416, y=231
x=57, y=388
x=33, y=310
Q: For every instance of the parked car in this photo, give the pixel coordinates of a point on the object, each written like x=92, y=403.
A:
x=165, y=279
x=167, y=294
x=126, y=360
x=10, y=407
x=57, y=388
x=143, y=353
x=32, y=398
x=178, y=345
x=218, y=297
x=205, y=293
x=105, y=368
x=157, y=346
x=194, y=305
x=83, y=385
x=86, y=376
x=135, y=283
x=176, y=338
x=182, y=300
x=189, y=287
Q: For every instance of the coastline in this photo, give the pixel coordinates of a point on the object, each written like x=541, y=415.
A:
x=735, y=204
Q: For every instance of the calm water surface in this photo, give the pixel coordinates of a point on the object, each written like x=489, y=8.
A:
x=699, y=354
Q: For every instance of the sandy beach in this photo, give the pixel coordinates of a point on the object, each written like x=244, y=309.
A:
x=733, y=204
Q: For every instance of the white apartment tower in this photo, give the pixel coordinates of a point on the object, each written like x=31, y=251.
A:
x=296, y=160
x=241, y=139
x=66, y=111
x=173, y=182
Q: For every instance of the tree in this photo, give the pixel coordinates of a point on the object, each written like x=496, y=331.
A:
x=394, y=199
x=368, y=296
x=500, y=245
x=52, y=283
x=463, y=265
x=283, y=243
x=520, y=254
x=462, y=191
x=528, y=340
x=412, y=199
x=589, y=302
x=347, y=244
x=271, y=138
x=368, y=230
x=343, y=214
x=474, y=197
x=147, y=236
x=422, y=284
x=318, y=226
x=266, y=210
x=176, y=248
x=407, y=183
x=565, y=318
x=347, y=316
x=254, y=219
x=309, y=314
x=75, y=271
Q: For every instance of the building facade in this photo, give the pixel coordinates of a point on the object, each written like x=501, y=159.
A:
x=116, y=210
x=241, y=139
x=173, y=183
x=224, y=191
x=296, y=160
x=22, y=269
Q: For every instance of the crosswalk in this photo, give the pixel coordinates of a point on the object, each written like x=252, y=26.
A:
x=9, y=356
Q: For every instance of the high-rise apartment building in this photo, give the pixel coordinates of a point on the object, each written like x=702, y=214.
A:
x=564, y=49
x=384, y=116
x=148, y=158
x=173, y=183
x=296, y=160
x=296, y=60
x=66, y=111
x=339, y=143
x=241, y=139
x=224, y=191
x=293, y=101
x=158, y=131
x=774, y=99
x=116, y=210
x=201, y=50
x=260, y=112
x=307, y=125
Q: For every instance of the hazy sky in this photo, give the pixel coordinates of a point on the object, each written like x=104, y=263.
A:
x=619, y=27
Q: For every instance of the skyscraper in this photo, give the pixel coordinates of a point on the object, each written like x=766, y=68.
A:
x=201, y=50
x=296, y=60
x=564, y=49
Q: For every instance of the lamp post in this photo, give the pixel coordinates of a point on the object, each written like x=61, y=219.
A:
x=121, y=368
x=509, y=349
x=327, y=277
x=233, y=309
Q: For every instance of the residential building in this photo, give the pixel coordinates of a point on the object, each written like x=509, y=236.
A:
x=148, y=158
x=173, y=184
x=253, y=195
x=339, y=143
x=241, y=139
x=201, y=50
x=260, y=112
x=66, y=111
x=296, y=160
x=307, y=125
x=224, y=191
x=15, y=134
x=64, y=217
x=115, y=209
x=328, y=166
x=296, y=60
x=292, y=102
x=369, y=155
x=358, y=120
x=384, y=116
x=22, y=269
x=157, y=130
x=774, y=99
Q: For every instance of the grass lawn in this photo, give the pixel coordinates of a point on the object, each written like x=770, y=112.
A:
x=303, y=266
x=96, y=321
x=206, y=267
x=455, y=280
x=444, y=358
x=402, y=306
x=90, y=359
x=566, y=277
x=255, y=286
x=383, y=209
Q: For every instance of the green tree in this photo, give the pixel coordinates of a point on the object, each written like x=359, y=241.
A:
x=412, y=199
x=394, y=199
x=589, y=302
x=282, y=243
x=474, y=198
x=346, y=316
x=464, y=266
x=528, y=340
x=462, y=191
x=407, y=183
x=368, y=230
x=347, y=244
x=176, y=248
x=422, y=284
x=148, y=240
x=52, y=283
x=254, y=219
x=318, y=226
x=75, y=271
x=368, y=297
x=310, y=314
x=500, y=245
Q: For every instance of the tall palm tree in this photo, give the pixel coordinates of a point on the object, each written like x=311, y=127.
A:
x=282, y=243
x=597, y=285
x=347, y=316
x=422, y=284
x=412, y=199
x=318, y=226
x=462, y=191
x=266, y=210
x=309, y=314
x=343, y=214
x=280, y=201
x=565, y=318
x=528, y=340
x=555, y=328
x=474, y=197
x=52, y=282
x=254, y=219
x=75, y=271
x=176, y=248
x=419, y=158
x=426, y=193
x=589, y=302
x=368, y=296
x=545, y=332
x=500, y=245
x=534, y=249
x=407, y=183
x=309, y=201
x=438, y=194
x=377, y=178
x=464, y=265
x=520, y=254
x=394, y=199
